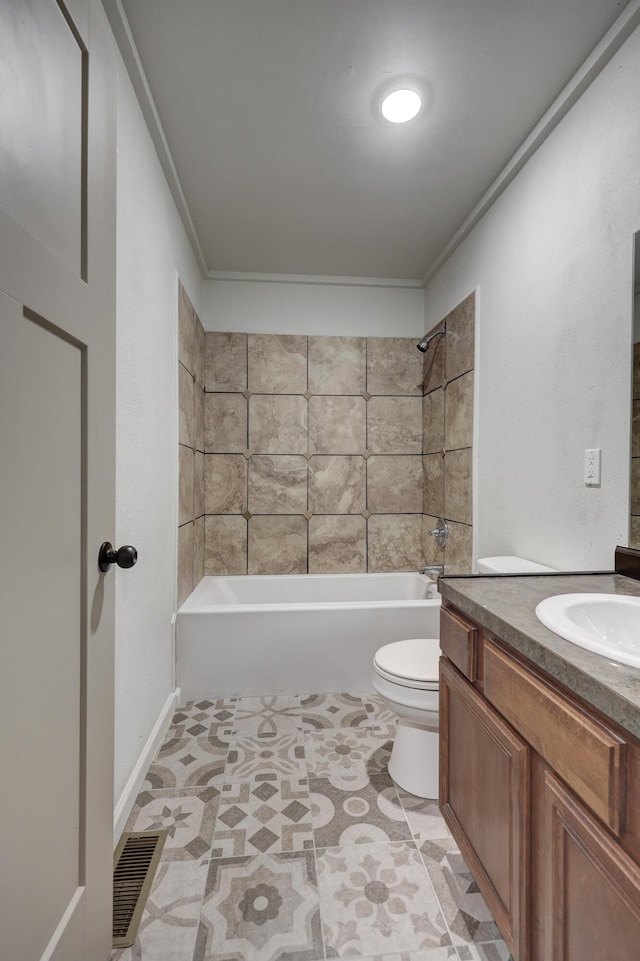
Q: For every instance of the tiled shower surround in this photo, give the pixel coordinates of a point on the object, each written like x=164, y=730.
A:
x=314, y=452
x=634, y=536
x=448, y=437
x=190, y=447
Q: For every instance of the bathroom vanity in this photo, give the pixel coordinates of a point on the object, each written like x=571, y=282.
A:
x=540, y=768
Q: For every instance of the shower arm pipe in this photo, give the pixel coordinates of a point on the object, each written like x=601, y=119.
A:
x=424, y=343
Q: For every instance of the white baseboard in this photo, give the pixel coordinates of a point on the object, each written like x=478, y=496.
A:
x=132, y=788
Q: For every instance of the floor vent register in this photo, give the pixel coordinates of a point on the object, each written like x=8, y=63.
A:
x=135, y=862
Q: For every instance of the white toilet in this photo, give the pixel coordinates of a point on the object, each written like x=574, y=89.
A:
x=406, y=676
x=508, y=564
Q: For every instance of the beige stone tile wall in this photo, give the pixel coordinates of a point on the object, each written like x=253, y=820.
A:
x=634, y=533
x=447, y=438
x=192, y=417
x=322, y=454
x=313, y=454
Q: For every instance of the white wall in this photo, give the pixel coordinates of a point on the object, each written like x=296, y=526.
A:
x=258, y=307
x=553, y=261
x=152, y=251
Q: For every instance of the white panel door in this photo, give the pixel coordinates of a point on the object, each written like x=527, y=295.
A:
x=57, y=452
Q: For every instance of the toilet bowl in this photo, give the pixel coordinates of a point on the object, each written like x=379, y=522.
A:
x=406, y=676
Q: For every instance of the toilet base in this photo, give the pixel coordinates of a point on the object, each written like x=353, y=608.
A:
x=414, y=763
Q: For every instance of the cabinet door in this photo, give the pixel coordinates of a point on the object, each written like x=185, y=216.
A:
x=484, y=778
x=588, y=889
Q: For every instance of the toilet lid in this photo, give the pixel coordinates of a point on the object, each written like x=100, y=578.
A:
x=415, y=660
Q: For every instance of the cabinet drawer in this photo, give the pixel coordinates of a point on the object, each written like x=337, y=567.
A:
x=587, y=755
x=458, y=642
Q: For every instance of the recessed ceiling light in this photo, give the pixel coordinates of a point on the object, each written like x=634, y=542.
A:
x=401, y=106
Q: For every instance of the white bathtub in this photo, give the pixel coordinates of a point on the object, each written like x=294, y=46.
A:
x=296, y=634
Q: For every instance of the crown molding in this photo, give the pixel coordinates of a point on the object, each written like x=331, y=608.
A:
x=319, y=279
x=129, y=53
x=595, y=63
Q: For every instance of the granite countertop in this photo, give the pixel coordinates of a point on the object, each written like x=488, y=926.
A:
x=505, y=605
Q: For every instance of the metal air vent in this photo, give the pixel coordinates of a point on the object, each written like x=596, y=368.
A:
x=135, y=863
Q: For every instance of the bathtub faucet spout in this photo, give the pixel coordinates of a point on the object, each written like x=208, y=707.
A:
x=432, y=569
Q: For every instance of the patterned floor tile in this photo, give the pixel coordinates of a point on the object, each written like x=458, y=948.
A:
x=376, y=900
x=262, y=816
x=424, y=817
x=387, y=731
x=261, y=908
x=262, y=903
x=187, y=814
x=197, y=717
x=189, y=762
x=356, y=811
x=345, y=753
x=380, y=716
x=170, y=920
x=267, y=716
x=321, y=711
x=429, y=954
x=491, y=951
x=465, y=909
x=266, y=759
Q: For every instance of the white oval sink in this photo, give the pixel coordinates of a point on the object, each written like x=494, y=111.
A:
x=608, y=624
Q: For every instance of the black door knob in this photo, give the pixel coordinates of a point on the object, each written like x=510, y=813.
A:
x=125, y=556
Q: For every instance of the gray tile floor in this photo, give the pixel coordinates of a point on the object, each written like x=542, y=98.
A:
x=287, y=839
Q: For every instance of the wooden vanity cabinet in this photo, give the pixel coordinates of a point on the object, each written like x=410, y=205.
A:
x=484, y=779
x=537, y=790
x=585, y=888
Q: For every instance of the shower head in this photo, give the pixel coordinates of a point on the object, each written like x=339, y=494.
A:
x=424, y=343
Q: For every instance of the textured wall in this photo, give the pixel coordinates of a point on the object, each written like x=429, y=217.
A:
x=552, y=264
x=335, y=309
x=151, y=248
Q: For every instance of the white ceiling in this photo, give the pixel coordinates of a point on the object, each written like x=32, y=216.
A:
x=268, y=108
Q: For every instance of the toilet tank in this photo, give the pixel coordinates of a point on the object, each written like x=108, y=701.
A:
x=509, y=564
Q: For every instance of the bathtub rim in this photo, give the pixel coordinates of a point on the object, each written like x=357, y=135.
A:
x=309, y=606
x=282, y=606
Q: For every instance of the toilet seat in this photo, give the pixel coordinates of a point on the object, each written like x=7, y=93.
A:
x=410, y=663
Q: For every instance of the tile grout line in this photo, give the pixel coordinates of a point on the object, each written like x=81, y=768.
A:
x=315, y=865
x=315, y=853
x=432, y=885
x=419, y=852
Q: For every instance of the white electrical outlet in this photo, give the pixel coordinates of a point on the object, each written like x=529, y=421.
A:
x=592, y=467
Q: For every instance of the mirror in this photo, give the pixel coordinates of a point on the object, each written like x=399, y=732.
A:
x=634, y=526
